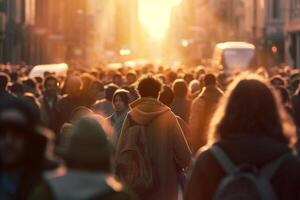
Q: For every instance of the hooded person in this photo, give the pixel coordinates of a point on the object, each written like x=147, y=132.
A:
x=87, y=175
x=166, y=145
x=22, y=149
x=202, y=109
x=120, y=103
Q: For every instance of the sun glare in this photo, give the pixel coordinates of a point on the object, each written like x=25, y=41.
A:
x=155, y=15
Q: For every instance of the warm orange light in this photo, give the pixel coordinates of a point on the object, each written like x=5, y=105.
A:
x=274, y=49
x=155, y=15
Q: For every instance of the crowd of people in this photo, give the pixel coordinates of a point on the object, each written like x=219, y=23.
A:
x=149, y=133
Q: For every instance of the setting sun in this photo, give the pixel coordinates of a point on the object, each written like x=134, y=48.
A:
x=155, y=15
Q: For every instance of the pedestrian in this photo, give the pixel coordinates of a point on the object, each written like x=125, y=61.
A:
x=181, y=105
x=49, y=112
x=120, y=103
x=104, y=107
x=202, y=110
x=249, y=128
x=88, y=171
x=22, y=149
x=165, y=150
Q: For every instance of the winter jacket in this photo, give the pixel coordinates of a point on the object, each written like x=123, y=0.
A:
x=181, y=107
x=49, y=114
x=116, y=120
x=203, y=108
x=166, y=143
x=256, y=151
x=80, y=185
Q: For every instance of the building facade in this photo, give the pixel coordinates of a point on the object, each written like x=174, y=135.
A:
x=292, y=32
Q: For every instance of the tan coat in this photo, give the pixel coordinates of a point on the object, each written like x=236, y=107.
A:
x=167, y=145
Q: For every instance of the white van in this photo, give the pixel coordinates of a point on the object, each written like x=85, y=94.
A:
x=230, y=56
x=57, y=69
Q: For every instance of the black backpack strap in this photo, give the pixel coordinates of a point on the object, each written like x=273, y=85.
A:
x=227, y=165
x=270, y=169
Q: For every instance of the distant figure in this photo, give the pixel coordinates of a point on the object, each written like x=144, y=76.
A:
x=88, y=172
x=203, y=108
x=120, y=103
x=181, y=105
x=72, y=99
x=251, y=129
x=49, y=100
x=104, y=107
x=165, y=147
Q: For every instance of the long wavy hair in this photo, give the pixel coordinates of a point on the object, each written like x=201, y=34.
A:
x=251, y=106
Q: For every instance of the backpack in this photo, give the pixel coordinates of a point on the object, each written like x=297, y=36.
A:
x=134, y=165
x=245, y=181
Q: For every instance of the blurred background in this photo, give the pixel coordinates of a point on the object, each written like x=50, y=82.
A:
x=163, y=31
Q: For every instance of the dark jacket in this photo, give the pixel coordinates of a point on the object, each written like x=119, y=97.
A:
x=30, y=173
x=167, y=145
x=181, y=107
x=88, y=185
x=257, y=151
x=202, y=111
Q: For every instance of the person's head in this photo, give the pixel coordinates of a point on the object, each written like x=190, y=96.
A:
x=117, y=79
x=33, y=102
x=166, y=96
x=149, y=86
x=4, y=79
x=30, y=83
x=14, y=76
x=194, y=86
x=110, y=90
x=87, y=148
x=120, y=100
x=180, y=88
x=172, y=76
x=87, y=80
x=209, y=80
x=17, y=89
x=96, y=89
x=250, y=107
x=51, y=86
x=188, y=77
x=131, y=77
x=18, y=133
x=73, y=85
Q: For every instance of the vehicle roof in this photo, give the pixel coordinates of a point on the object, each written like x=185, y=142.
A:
x=38, y=70
x=235, y=45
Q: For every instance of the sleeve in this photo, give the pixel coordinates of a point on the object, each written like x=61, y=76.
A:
x=196, y=124
x=182, y=152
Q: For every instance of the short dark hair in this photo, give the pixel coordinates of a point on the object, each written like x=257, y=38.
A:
x=48, y=78
x=4, y=79
x=166, y=96
x=210, y=79
x=149, y=86
x=180, y=88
